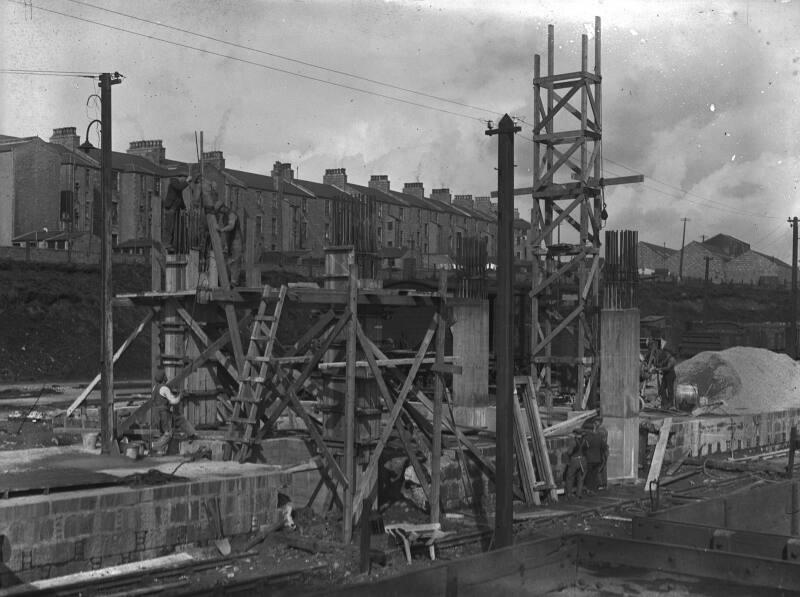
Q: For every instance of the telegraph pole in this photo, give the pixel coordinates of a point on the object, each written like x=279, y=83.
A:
x=791, y=329
x=683, y=242
x=108, y=444
x=503, y=340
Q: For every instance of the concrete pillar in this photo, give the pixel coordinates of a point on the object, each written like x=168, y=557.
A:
x=471, y=347
x=619, y=389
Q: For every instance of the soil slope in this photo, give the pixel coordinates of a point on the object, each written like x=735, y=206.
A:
x=50, y=322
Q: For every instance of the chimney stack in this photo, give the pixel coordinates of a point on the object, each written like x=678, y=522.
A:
x=483, y=204
x=464, y=201
x=66, y=137
x=516, y=213
x=282, y=170
x=414, y=188
x=336, y=177
x=380, y=182
x=152, y=149
x=215, y=158
x=442, y=195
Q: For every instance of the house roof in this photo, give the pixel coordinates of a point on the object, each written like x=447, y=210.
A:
x=135, y=243
x=127, y=162
x=392, y=252
x=521, y=224
x=659, y=249
x=50, y=235
x=378, y=195
x=774, y=260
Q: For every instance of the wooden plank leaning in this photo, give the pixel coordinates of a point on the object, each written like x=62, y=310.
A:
x=540, y=453
x=88, y=389
x=527, y=474
x=658, y=455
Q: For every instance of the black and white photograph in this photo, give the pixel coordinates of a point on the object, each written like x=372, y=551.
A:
x=399, y=297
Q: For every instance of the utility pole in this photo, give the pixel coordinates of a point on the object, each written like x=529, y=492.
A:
x=503, y=340
x=791, y=331
x=108, y=444
x=683, y=242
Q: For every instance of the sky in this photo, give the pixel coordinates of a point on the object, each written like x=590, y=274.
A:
x=699, y=96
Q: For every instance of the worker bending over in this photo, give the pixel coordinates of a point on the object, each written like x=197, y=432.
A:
x=665, y=364
x=168, y=413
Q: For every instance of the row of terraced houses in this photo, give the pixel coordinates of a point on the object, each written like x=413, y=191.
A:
x=49, y=191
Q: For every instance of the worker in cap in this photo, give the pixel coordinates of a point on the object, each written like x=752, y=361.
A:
x=576, y=467
x=168, y=413
x=231, y=231
x=596, y=454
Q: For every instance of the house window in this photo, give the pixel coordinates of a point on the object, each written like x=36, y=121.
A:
x=275, y=203
x=274, y=226
x=389, y=225
x=115, y=180
x=114, y=239
x=259, y=225
x=260, y=198
x=380, y=232
x=327, y=231
x=401, y=213
x=389, y=243
x=305, y=205
x=401, y=238
x=327, y=207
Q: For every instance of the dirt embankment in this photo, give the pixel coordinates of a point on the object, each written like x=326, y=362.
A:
x=50, y=322
x=50, y=316
x=713, y=302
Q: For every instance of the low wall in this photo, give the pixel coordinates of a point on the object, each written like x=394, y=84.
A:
x=732, y=433
x=766, y=509
x=482, y=490
x=83, y=257
x=58, y=534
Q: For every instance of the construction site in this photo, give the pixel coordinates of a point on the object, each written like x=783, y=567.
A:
x=307, y=452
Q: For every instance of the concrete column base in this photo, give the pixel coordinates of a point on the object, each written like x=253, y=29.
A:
x=623, y=444
x=474, y=416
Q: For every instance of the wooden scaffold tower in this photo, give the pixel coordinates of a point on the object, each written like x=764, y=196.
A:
x=567, y=190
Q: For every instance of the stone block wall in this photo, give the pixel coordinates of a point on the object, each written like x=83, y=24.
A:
x=482, y=489
x=58, y=534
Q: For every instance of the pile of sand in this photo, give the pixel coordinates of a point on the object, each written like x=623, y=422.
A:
x=749, y=380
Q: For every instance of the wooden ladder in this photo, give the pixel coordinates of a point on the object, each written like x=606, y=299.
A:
x=254, y=374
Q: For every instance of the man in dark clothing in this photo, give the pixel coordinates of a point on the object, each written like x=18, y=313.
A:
x=168, y=414
x=173, y=205
x=596, y=454
x=231, y=232
x=576, y=469
x=665, y=364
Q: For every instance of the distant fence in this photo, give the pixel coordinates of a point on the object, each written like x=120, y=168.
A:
x=77, y=256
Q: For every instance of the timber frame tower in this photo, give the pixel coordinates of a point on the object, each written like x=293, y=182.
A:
x=567, y=189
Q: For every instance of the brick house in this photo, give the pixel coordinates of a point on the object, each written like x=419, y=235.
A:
x=653, y=257
x=695, y=255
x=56, y=185
x=46, y=185
x=752, y=267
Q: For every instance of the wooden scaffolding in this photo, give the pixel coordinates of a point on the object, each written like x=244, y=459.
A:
x=568, y=190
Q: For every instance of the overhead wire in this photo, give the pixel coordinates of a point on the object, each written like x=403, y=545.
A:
x=710, y=203
x=258, y=64
x=282, y=57
x=48, y=73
